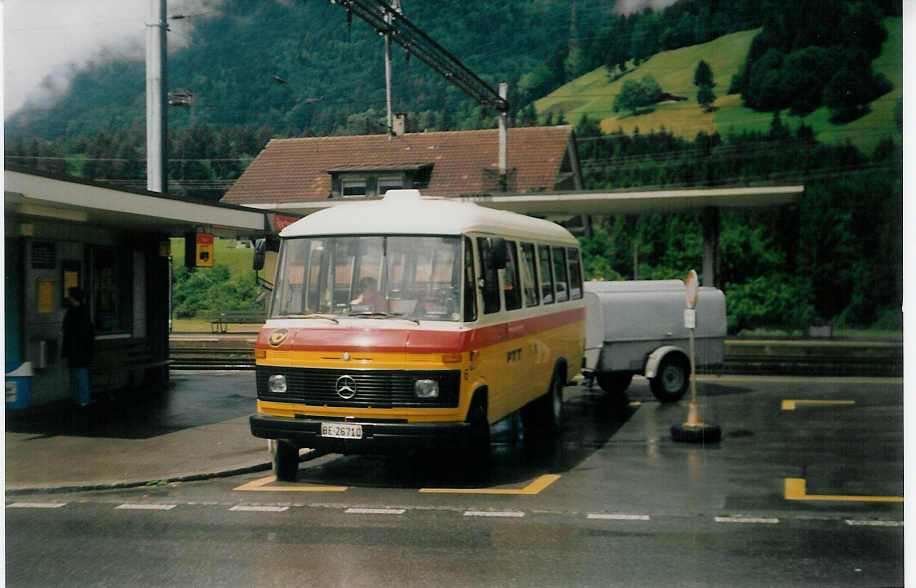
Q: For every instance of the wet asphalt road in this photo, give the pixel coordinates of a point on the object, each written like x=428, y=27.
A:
x=614, y=501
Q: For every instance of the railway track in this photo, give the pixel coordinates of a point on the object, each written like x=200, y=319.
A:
x=789, y=357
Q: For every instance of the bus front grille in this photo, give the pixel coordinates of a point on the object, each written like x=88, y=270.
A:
x=369, y=388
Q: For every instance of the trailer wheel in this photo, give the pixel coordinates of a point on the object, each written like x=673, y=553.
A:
x=285, y=462
x=614, y=382
x=672, y=378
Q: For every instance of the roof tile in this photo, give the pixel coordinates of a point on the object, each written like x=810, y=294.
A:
x=465, y=162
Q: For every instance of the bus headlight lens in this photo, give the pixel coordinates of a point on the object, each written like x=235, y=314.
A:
x=277, y=384
x=426, y=388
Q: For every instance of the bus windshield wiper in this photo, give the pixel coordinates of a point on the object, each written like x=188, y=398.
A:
x=314, y=315
x=379, y=314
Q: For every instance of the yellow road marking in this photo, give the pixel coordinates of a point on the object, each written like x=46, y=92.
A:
x=791, y=404
x=796, y=490
x=261, y=485
x=533, y=488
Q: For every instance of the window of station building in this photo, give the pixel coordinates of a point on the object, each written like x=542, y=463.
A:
x=559, y=270
x=529, y=275
x=575, y=273
x=111, y=279
x=546, y=275
x=386, y=183
x=353, y=187
x=511, y=289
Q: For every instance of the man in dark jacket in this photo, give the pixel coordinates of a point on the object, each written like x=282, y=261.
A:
x=78, y=345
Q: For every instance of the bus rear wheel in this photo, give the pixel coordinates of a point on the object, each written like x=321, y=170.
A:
x=285, y=462
x=544, y=416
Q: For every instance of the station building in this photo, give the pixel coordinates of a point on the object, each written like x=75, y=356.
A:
x=542, y=177
x=114, y=244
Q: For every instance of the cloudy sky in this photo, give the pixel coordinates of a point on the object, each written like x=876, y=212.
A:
x=44, y=41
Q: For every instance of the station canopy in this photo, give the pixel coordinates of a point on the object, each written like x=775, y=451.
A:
x=560, y=205
x=30, y=194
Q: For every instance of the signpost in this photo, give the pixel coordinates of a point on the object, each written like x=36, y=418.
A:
x=694, y=430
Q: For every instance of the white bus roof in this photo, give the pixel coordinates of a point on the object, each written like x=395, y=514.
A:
x=406, y=212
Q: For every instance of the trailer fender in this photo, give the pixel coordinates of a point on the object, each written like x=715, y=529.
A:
x=655, y=358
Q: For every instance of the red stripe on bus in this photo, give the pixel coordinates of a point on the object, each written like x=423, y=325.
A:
x=416, y=341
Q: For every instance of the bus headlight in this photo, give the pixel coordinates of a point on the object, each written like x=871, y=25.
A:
x=426, y=388
x=277, y=384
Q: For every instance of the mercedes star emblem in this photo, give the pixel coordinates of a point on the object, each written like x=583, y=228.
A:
x=346, y=387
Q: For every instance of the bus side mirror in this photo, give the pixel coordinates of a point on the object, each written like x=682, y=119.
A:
x=497, y=252
x=261, y=247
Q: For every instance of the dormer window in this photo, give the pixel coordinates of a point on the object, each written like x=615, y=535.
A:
x=353, y=187
x=369, y=183
x=386, y=183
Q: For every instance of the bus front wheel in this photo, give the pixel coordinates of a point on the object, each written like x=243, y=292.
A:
x=285, y=462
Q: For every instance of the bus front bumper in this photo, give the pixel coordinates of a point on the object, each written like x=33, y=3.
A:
x=376, y=436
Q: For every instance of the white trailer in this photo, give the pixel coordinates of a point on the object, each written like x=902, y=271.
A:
x=637, y=327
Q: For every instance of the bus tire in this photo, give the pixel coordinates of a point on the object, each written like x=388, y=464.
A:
x=544, y=416
x=479, y=442
x=614, y=382
x=285, y=462
x=672, y=378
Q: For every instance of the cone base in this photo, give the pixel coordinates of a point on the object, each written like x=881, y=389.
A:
x=702, y=433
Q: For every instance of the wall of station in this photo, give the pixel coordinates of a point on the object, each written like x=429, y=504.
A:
x=125, y=275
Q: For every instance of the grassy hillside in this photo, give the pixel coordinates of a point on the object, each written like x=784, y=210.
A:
x=593, y=94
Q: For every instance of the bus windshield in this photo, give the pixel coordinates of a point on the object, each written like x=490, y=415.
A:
x=370, y=277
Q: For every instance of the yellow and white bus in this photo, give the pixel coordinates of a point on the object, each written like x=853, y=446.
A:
x=416, y=322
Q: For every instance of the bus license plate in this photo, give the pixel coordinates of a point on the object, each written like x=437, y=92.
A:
x=341, y=431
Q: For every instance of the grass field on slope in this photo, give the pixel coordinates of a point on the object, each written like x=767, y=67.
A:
x=593, y=94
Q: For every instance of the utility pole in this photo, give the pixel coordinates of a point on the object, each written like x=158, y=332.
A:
x=156, y=99
x=395, y=7
x=384, y=19
x=503, y=142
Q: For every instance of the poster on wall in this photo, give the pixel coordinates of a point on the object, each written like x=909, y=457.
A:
x=45, y=292
x=71, y=271
x=44, y=255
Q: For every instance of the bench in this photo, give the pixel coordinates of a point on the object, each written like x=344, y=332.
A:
x=121, y=364
x=220, y=320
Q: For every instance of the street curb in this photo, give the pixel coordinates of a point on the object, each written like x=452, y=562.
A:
x=260, y=467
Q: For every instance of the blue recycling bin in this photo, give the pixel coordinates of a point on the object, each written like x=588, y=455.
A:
x=18, y=384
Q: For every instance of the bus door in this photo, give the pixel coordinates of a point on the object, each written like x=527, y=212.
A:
x=518, y=352
x=492, y=259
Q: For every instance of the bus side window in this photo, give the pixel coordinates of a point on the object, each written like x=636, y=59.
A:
x=546, y=275
x=511, y=289
x=575, y=273
x=559, y=270
x=490, y=277
x=529, y=275
x=470, y=290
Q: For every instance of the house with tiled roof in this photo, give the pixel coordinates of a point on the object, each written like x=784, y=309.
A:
x=458, y=163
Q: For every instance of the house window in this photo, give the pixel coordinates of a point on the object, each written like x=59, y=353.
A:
x=351, y=187
x=386, y=183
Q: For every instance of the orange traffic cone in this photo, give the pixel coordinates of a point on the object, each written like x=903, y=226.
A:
x=693, y=416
